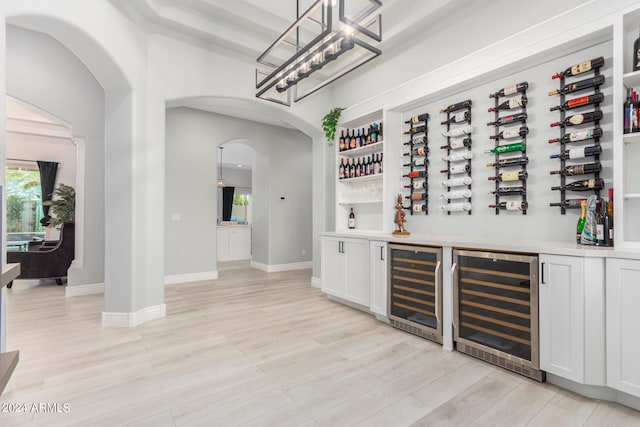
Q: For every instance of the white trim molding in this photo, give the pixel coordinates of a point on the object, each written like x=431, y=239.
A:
x=173, y=279
x=316, y=282
x=129, y=320
x=79, y=290
x=281, y=267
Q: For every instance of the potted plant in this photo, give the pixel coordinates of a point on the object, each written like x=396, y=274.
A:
x=329, y=123
x=63, y=205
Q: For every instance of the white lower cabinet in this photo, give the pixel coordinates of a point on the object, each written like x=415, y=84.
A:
x=345, y=268
x=623, y=325
x=378, y=268
x=571, y=318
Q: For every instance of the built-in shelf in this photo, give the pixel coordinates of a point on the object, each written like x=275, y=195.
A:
x=631, y=79
x=364, y=202
x=629, y=138
x=376, y=177
x=376, y=147
x=630, y=196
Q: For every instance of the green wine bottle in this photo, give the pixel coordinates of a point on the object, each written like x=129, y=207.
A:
x=508, y=148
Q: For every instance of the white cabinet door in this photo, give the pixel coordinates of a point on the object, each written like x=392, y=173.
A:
x=333, y=266
x=378, y=279
x=623, y=320
x=222, y=240
x=240, y=243
x=357, y=271
x=562, y=316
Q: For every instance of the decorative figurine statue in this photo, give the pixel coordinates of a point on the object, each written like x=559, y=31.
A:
x=399, y=219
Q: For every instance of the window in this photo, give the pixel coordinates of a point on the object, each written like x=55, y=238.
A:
x=24, y=206
x=241, y=209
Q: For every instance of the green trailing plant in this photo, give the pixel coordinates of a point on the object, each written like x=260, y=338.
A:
x=63, y=205
x=329, y=123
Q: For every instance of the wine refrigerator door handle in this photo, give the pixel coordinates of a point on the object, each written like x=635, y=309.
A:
x=454, y=267
x=438, y=290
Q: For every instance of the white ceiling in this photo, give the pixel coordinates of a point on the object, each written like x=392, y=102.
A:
x=236, y=155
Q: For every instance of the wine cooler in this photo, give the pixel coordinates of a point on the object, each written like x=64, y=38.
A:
x=496, y=309
x=415, y=290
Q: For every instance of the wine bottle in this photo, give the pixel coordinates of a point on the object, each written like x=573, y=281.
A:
x=517, y=146
x=585, y=185
x=513, y=132
x=458, y=157
x=461, y=131
x=509, y=176
x=417, y=140
x=510, y=90
x=458, y=143
x=359, y=139
x=413, y=131
x=381, y=163
x=420, y=151
x=456, y=169
x=581, y=135
x=511, y=103
x=341, y=143
x=581, y=221
x=457, y=194
x=579, y=102
x=603, y=226
x=511, y=206
x=456, y=207
x=455, y=107
x=376, y=165
x=578, y=153
x=636, y=54
x=582, y=169
x=419, y=208
x=352, y=173
x=417, y=196
x=379, y=132
x=512, y=118
x=578, y=86
x=462, y=116
x=341, y=169
x=512, y=161
x=417, y=162
x=456, y=182
x=630, y=113
x=417, y=119
x=580, y=68
x=509, y=191
x=352, y=219
x=417, y=185
x=578, y=119
x=569, y=203
x=352, y=142
x=610, y=213
x=416, y=174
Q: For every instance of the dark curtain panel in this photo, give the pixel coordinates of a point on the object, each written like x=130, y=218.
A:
x=227, y=202
x=48, y=172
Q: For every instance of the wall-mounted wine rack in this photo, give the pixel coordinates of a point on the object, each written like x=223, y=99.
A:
x=510, y=169
x=592, y=134
x=416, y=164
x=458, y=133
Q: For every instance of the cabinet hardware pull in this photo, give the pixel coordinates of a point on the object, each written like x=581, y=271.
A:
x=381, y=253
x=542, y=273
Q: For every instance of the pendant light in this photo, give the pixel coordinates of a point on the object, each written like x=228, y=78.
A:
x=220, y=179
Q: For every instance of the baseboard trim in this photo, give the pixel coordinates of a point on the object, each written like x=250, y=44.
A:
x=596, y=391
x=129, y=320
x=173, y=279
x=282, y=267
x=316, y=282
x=80, y=290
x=242, y=258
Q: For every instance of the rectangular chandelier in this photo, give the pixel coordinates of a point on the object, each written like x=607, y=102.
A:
x=318, y=49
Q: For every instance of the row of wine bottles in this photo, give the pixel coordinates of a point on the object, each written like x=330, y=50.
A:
x=418, y=163
x=360, y=166
x=363, y=136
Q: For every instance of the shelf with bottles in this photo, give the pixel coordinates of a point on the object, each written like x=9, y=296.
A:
x=367, y=139
x=511, y=169
x=584, y=76
x=416, y=164
x=457, y=197
x=362, y=178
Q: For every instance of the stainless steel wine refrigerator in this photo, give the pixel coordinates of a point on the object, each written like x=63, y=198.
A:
x=415, y=290
x=496, y=309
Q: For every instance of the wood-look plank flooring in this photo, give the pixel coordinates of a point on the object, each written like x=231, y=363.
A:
x=259, y=349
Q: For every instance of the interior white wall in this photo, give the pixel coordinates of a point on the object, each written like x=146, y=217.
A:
x=281, y=168
x=43, y=72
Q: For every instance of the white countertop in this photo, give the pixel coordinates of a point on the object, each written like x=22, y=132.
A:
x=235, y=226
x=530, y=246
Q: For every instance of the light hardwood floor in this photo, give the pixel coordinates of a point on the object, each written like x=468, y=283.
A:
x=258, y=349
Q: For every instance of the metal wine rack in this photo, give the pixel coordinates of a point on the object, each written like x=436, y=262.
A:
x=418, y=145
x=451, y=110
x=507, y=93
x=564, y=205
